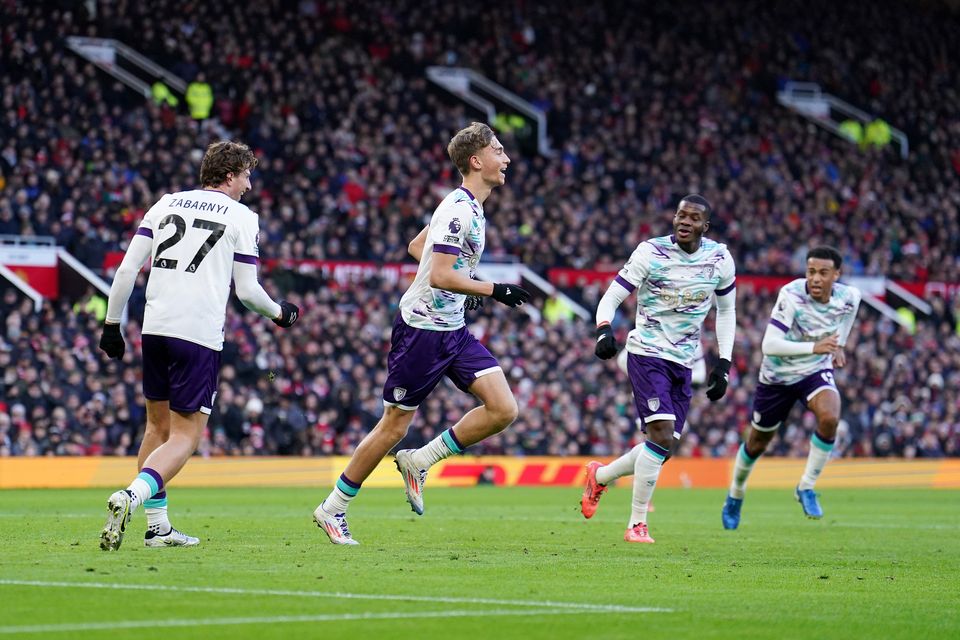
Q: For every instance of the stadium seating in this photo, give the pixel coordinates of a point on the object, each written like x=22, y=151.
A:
x=645, y=103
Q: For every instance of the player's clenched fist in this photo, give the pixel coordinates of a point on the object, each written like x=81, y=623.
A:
x=510, y=294
x=111, y=342
x=606, y=343
x=289, y=313
x=717, y=384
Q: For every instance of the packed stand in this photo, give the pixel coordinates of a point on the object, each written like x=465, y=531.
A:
x=316, y=388
x=351, y=137
x=645, y=103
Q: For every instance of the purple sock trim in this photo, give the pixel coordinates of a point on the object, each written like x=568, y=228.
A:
x=159, y=495
x=657, y=449
x=453, y=437
x=156, y=476
x=347, y=481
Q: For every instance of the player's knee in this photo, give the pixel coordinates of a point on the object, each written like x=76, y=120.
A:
x=504, y=413
x=828, y=424
x=158, y=430
x=395, y=428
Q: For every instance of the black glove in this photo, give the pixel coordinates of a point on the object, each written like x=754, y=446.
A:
x=510, y=294
x=289, y=313
x=472, y=303
x=111, y=342
x=606, y=343
x=717, y=382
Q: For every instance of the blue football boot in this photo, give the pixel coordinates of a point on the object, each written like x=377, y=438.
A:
x=808, y=500
x=731, y=512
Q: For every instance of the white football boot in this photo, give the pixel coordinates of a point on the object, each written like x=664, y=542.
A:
x=172, y=538
x=118, y=516
x=334, y=525
x=413, y=479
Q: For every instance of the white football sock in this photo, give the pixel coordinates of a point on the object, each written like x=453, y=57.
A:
x=157, y=520
x=443, y=446
x=647, y=470
x=820, y=450
x=741, y=472
x=141, y=491
x=339, y=499
x=622, y=466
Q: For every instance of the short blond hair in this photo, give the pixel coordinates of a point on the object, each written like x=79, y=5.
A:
x=467, y=143
x=223, y=158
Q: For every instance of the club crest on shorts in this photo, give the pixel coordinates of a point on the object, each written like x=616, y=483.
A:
x=653, y=403
x=399, y=393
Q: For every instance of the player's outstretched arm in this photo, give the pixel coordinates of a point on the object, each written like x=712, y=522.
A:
x=111, y=341
x=253, y=296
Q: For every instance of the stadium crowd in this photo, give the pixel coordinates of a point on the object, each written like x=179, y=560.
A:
x=644, y=105
x=351, y=136
x=315, y=390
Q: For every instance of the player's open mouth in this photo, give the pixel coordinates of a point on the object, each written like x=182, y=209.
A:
x=683, y=232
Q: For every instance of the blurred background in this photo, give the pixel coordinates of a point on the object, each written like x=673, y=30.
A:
x=803, y=123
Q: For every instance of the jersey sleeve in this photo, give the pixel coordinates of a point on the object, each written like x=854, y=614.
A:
x=635, y=271
x=847, y=323
x=248, y=239
x=728, y=275
x=148, y=224
x=448, y=229
x=783, y=312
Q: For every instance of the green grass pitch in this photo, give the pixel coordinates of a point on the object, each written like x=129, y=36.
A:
x=486, y=563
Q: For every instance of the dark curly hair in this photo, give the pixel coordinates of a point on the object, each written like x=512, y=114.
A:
x=224, y=158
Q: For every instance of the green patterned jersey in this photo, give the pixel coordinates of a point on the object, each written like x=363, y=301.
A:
x=458, y=228
x=675, y=291
x=803, y=319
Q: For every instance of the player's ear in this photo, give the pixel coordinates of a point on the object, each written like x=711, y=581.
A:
x=706, y=225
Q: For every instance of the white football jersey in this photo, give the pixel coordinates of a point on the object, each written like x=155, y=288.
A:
x=197, y=235
x=456, y=228
x=803, y=319
x=674, y=293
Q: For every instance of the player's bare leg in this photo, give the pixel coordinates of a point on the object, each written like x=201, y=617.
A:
x=186, y=429
x=157, y=430
x=377, y=444
x=160, y=533
x=826, y=407
x=498, y=411
x=330, y=515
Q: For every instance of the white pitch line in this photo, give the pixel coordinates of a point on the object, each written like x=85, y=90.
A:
x=332, y=617
x=570, y=606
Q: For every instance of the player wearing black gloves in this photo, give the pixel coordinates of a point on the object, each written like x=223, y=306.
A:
x=430, y=340
x=717, y=383
x=675, y=278
x=198, y=241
